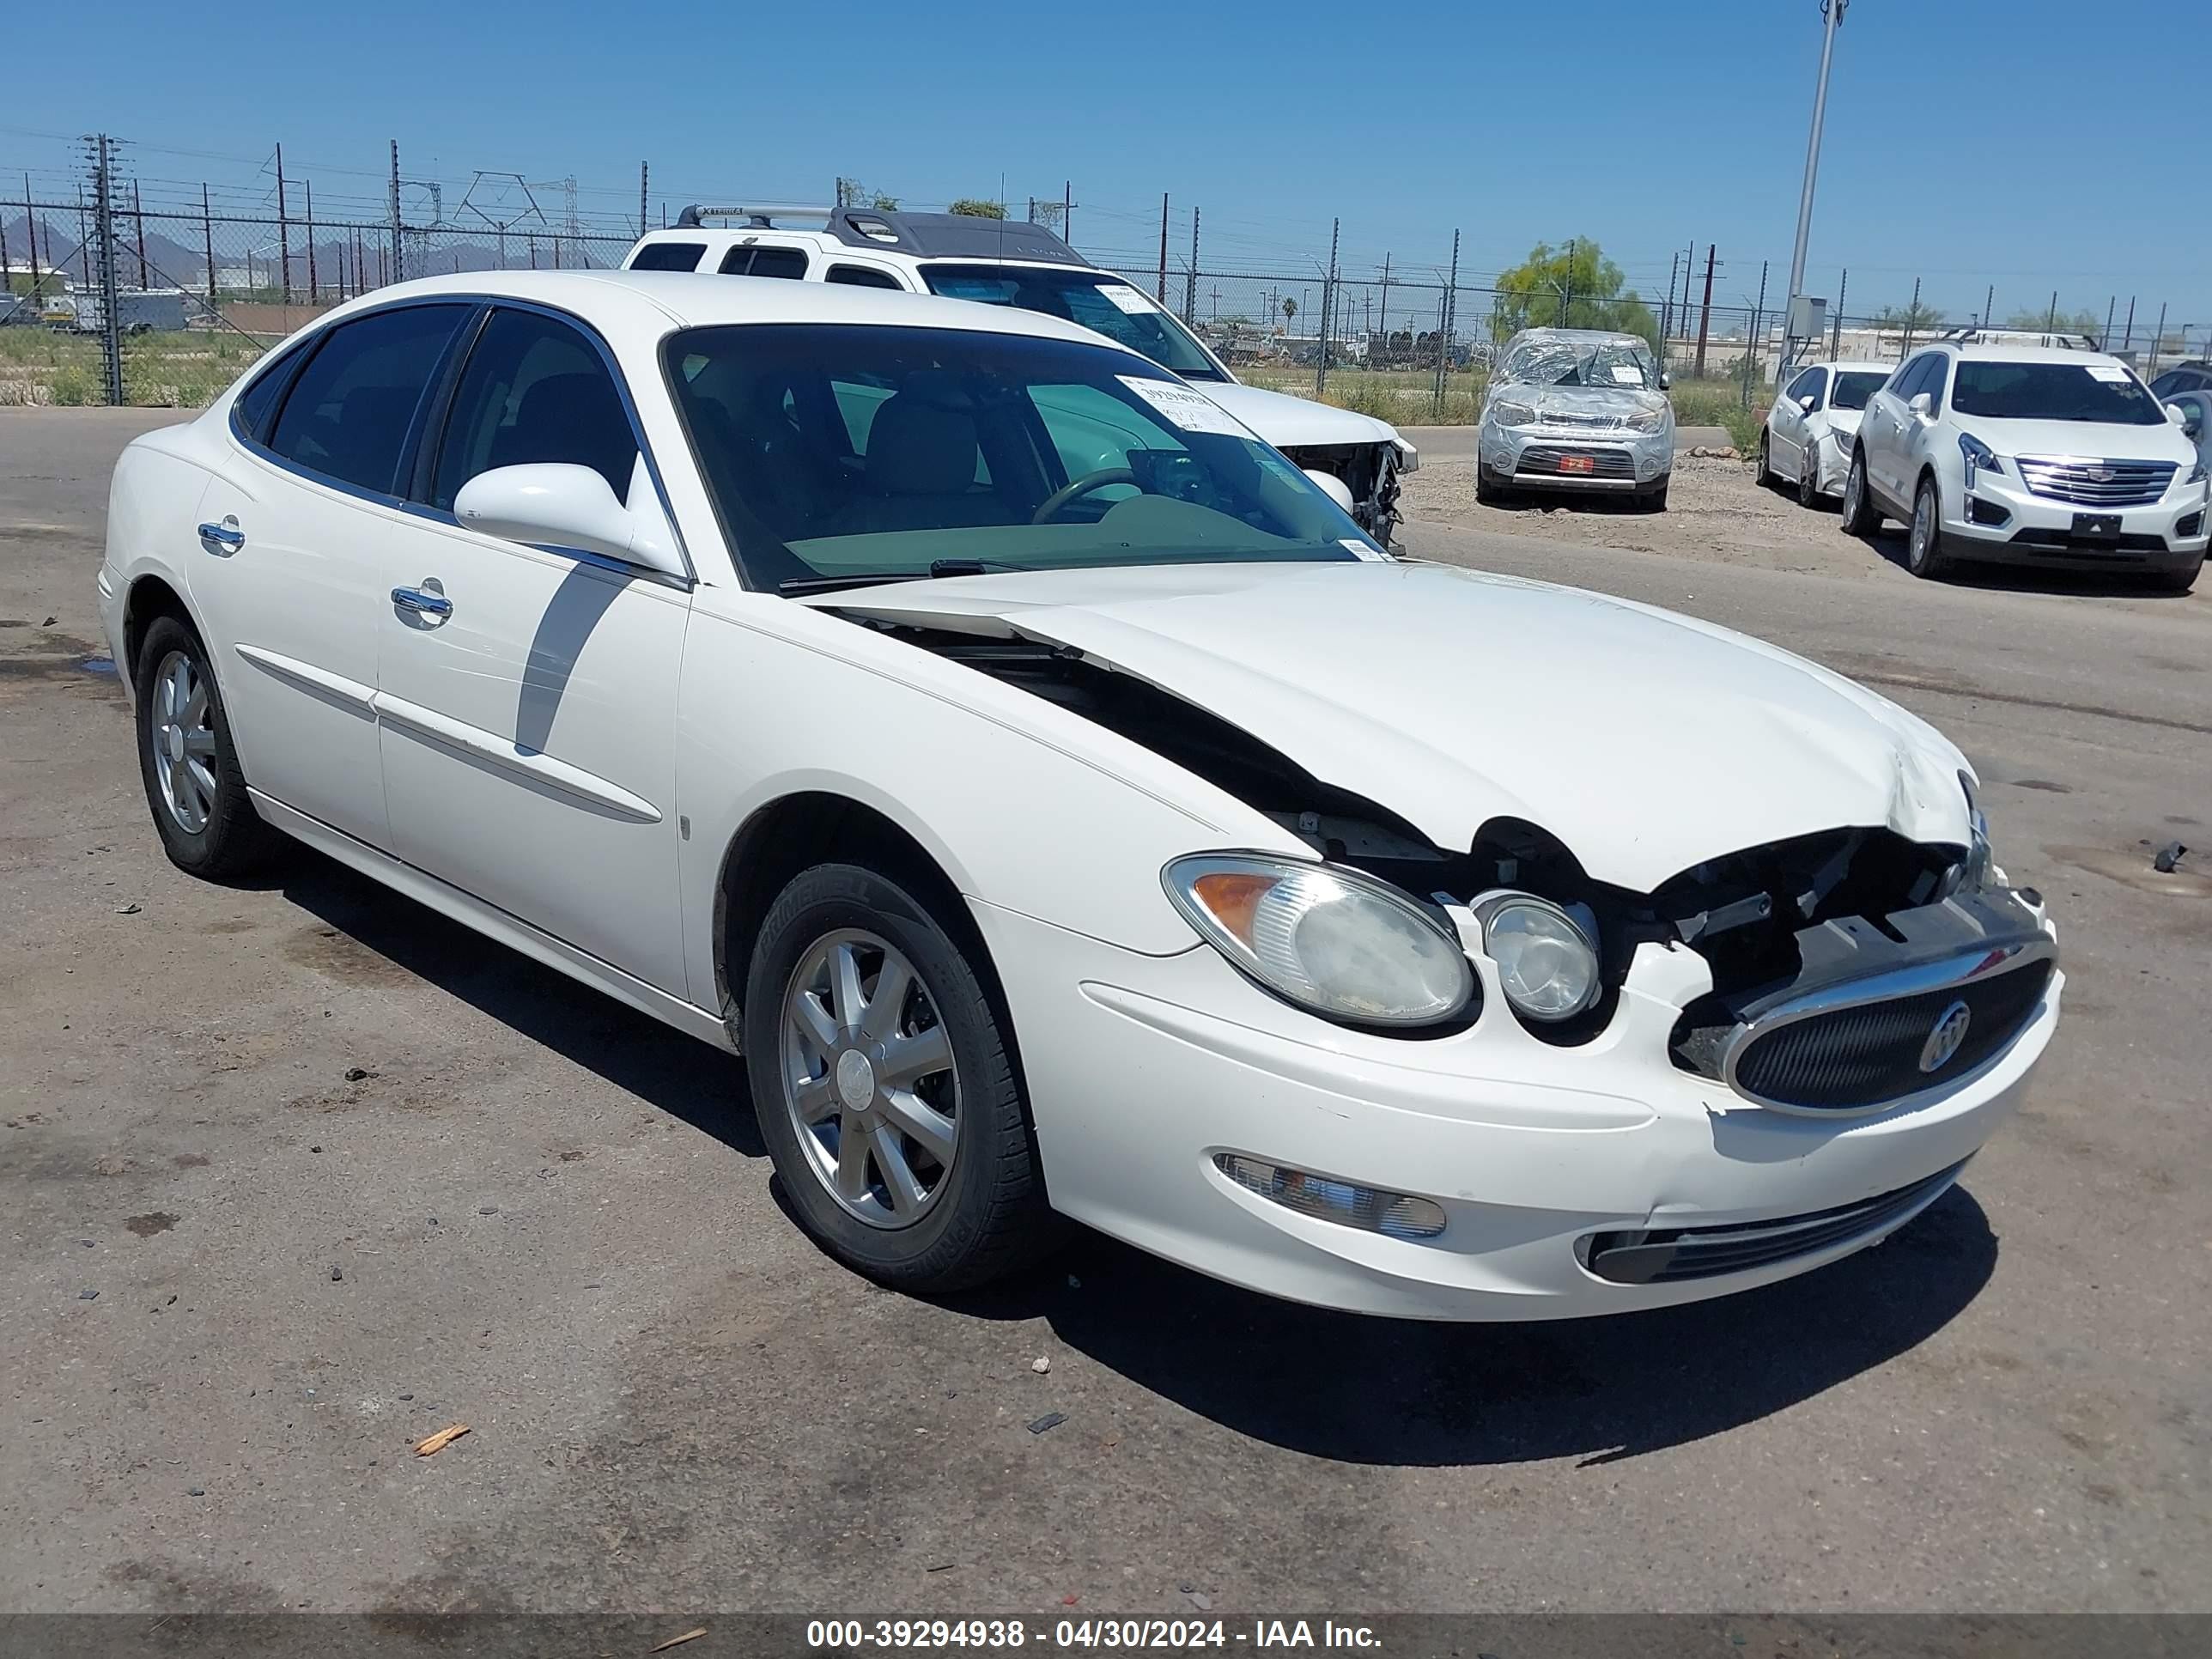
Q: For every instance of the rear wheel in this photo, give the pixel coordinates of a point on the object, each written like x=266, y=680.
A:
x=886, y=1089
x=1924, y=542
x=1766, y=477
x=188, y=763
x=1860, y=516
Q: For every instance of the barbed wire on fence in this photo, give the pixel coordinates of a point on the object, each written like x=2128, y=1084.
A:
x=105, y=298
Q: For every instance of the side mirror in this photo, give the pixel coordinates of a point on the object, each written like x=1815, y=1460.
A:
x=556, y=503
x=1666, y=380
x=1920, y=404
x=2177, y=415
x=1807, y=402
x=2192, y=422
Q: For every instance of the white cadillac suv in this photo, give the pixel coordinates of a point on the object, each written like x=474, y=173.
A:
x=2029, y=455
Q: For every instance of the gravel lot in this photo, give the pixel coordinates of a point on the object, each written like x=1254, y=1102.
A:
x=295, y=1174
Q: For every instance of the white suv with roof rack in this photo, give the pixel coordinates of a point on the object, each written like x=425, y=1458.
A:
x=2029, y=455
x=1355, y=458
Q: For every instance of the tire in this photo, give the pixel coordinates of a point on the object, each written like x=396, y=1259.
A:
x=1808, y=483
x=1860, y=516
x=984, y=1215
x=1765, y=478
x=1924, y=542
x=1489, y=494
x=1655, y=500
x=189, y=765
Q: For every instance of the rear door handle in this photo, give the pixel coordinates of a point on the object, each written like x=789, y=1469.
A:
x=425, y=600
x=227, y=534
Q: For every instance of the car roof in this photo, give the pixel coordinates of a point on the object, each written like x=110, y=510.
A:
x=1998, y=352
x=639, y=306
x=1855, y=366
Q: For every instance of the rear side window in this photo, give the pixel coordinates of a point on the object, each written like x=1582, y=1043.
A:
x=668, y=256
x=860, y=276
x=743, y=261
x=348, y=414
x=534, y=389
x=258, y=401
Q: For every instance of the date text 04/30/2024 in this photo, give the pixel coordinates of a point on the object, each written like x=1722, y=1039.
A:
x=853, y=1634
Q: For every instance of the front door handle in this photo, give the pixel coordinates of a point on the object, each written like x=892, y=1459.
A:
x=427, y=600
x=227, y=534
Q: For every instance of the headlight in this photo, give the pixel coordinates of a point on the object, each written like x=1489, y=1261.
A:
x=1508, y=413
x=1648, y=420
x=1979, y=457
x=2197, y=474
x=1972, y=873
x=1546, y=964
x=1330, y=940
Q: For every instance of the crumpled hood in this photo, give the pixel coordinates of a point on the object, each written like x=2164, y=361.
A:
x=1646, y=741
x=1615, y=403
x=1288, y=422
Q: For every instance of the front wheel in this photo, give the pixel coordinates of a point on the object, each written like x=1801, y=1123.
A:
x=1808, y=479
x=1860, y=517
x=886, y=1089
x=188, y=763
x=1923, y=545
x=2180, y=582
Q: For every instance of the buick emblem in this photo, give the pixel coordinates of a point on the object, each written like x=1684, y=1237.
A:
x=1943, y=1040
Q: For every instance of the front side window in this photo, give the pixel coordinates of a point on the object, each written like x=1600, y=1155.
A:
x=668, y=256
x=348, y=414
x=1855, y=385
x=843, y=453
x=533, y=390
x=1912, y=378
x=2102, y=392
x=1104, y=304
x=1808, y=385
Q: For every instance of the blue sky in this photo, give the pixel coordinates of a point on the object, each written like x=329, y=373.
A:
x=2030, y=144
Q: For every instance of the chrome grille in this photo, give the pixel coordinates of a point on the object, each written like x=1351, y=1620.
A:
x=2088, y=482
x=1858, y=1055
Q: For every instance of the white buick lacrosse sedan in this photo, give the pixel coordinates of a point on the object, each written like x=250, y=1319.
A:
x=1062, y=805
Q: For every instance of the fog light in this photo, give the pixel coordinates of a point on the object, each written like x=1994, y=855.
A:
x=2190, y=528
x=1395, y=1215
x=1988, y=513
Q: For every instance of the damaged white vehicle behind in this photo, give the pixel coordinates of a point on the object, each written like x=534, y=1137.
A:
x=1579, y=411
x=1113, y=840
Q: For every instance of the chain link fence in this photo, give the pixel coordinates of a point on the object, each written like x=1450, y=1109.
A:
x=103, y=301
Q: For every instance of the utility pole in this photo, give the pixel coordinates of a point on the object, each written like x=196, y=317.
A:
x=1706, y=316
x=314, y=287
x=399, y=263
x=1190, y=279
x=283, y=230
x=138, y=224
x=644, y=172
x=1832, y=17
x=1162, y=293
x=207, y=242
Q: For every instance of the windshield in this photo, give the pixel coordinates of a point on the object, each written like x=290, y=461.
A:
x=1854, y=386
x=847, y=452
x=1104, y=304
x=2104, y=392
x=1626, y=365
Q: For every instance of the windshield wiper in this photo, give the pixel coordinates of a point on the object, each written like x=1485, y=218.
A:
x=870, y=578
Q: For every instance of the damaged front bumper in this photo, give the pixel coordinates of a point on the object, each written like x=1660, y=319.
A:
x=1599, y=458
x=1158, y=1083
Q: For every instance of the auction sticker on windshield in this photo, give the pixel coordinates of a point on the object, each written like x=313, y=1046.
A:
x=1191, y=412
x=2108, y=372
x=1125, y=298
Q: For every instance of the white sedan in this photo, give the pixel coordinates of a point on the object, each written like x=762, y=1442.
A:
x=1809, y=432
x=1064, y=808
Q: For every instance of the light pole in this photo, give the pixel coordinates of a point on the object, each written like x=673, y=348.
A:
x=1832, y=17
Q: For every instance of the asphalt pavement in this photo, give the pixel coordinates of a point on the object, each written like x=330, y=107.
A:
x=295, y=1174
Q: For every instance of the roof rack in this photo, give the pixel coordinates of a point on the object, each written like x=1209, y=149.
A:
x=760, y=218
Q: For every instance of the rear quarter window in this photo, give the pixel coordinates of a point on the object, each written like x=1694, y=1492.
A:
x=668, y=256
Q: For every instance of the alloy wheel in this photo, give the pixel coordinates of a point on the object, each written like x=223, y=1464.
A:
x=869, y=1079
x=180, y=736
x=1923, y=536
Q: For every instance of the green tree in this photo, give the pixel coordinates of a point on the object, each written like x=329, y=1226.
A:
x=1916, y=321
x=2041, y=319
x=851, y=193
x=1571, y=287
x=975, y=207
x=1290, y=310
